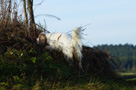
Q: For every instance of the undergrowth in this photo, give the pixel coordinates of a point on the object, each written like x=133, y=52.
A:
x=28, y=66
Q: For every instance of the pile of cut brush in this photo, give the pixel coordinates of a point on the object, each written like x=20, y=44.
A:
x=15, y=36
x=97, y=62
x=94, y=61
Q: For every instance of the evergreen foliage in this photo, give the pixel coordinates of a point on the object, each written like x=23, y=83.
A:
x=126, y=55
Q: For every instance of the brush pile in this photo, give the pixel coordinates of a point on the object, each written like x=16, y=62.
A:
x=96, y=61
x=14, y=36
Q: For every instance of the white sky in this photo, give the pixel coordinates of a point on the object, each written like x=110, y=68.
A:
x=112, y=21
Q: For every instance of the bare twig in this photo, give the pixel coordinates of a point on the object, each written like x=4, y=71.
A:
x=48, y=15
x=36, y=5
x=43, y=28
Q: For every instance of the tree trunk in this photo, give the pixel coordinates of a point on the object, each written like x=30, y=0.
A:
x=32, y=21
x=8, y=17
x=25, y=13
x=9, y=11
x=2, y=9
x=30, y=10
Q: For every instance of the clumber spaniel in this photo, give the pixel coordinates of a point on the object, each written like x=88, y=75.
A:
x=70, y=45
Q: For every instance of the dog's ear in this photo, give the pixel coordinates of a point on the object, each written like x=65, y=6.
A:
x=42, y=39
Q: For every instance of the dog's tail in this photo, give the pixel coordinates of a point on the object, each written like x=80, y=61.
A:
x=77, y=45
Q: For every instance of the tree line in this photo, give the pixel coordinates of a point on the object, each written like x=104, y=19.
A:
x=125, y=55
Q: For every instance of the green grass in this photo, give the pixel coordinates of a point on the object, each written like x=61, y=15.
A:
x=96, y=84
x=129, y=76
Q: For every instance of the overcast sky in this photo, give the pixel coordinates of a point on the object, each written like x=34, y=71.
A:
x=112, y=21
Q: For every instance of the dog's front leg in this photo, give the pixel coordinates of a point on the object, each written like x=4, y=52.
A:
x=49, y=47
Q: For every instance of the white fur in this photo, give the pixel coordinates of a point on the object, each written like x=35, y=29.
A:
x=69, y=45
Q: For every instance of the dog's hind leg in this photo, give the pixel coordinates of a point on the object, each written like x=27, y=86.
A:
x=68, y=55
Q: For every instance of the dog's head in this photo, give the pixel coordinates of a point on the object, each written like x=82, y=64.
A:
x=42, y=39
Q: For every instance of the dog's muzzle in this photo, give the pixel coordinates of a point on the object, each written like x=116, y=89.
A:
x=37, y=40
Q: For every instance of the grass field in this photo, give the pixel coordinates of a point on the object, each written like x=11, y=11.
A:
x=77, y=83
x=128, y=76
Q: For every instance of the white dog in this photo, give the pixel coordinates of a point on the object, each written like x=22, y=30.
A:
x=71, y=46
